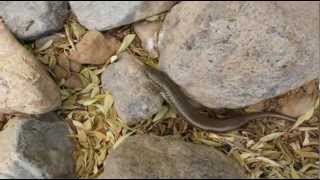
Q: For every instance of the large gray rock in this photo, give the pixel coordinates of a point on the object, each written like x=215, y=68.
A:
x=155, y=157
x=36, y=148
x=97, y=15
x=31, y=19
x=234, y=54
x=134, y=94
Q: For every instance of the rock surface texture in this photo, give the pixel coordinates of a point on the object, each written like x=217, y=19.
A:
x=111, y=14
x=148, y=34
x=149, y=156
x=36, y=148
x=24, y=84
x=32, y=19
x=135, y=97
x=94, y=48
x=234, y=54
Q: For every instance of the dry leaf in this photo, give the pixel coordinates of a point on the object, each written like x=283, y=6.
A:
x=78, y=30
x=113, y=59
x=126, y=43
x=302, y=119
x=45, y=46
x=121, y=139
x=108, y=102
x=52, y=61
x=271, y=137
x=161, y=114
x=87, y=102
x=95, y=91
x=269, y=161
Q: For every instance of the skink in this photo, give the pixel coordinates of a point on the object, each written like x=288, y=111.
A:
x=175, y=96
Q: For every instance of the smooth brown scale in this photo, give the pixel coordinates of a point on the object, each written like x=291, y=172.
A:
x=174, y=95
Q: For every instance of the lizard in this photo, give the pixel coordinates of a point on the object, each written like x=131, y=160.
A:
x=173, y=94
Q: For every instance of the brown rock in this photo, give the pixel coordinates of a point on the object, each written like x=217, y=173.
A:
x=64, y=62
x=93, y=48
x=301, y=101
x=60, y=72
x=73, y=81
x=75, y=67
x=113, y=41
x=2, y=117
x=148, y=34
x=68, y=65
x=24, y=85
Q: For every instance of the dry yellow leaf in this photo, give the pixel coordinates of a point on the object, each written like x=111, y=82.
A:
x=77, y=30
x=307, y=154
x=172, y=113
x=108, y=102
x=94, y=78
x=87, y=125
x=82, y=137
x=245, y=156
x=161, y=114
x=269, y=161
x=87, y=102
x=45, y=46
x=102, y=155
x=113, y=59
x=99, y=71
x=88, y=88
x=44, y=59
x=302, y=119
x=121, y=139
x=95, y=91
x=77, y=124
x=85, y=72
x=70, y=102
x=271, y=137
x=67, y=31
x=306, y=140
x=52, y=61
x=126, y=43
x=100, y=135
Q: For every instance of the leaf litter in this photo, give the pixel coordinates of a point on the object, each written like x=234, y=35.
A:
x=264, y=149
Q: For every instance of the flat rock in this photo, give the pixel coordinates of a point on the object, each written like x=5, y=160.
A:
x=135, y=97
x=25, y=86
x=97, y=15
x=94, y=48
x=235, y=54
x=152, y=157
x=36, y=147
x=30, y=20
